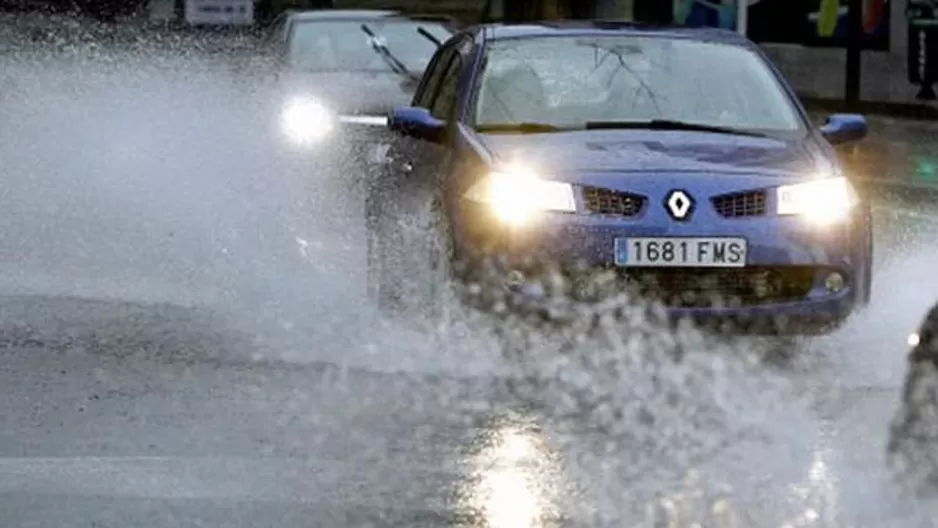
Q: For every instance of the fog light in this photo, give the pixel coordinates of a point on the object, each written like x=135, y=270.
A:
x=914, y=340
x=834, y=282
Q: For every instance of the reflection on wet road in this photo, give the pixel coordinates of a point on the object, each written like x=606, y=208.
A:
x=230, y=373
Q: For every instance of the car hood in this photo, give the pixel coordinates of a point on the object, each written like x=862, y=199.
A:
x=569, y=153
x=352, y=93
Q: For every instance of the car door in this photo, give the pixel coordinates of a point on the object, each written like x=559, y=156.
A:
x=408, y=154
x=426, y=159
x=394, y=199
x=386, y=195
x=409, y=246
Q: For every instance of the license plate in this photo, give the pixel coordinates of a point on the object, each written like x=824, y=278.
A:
x=720, y=252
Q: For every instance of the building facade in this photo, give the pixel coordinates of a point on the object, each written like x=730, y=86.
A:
x=808, y=38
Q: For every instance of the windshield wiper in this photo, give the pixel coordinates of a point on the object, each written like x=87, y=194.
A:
x=524, y=128
x=429, y=36
x=396, y=65
x=668, y=124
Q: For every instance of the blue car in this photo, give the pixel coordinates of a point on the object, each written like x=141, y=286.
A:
x=679, y=160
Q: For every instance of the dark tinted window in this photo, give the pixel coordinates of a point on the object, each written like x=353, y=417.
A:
x=448, y=91
x=424, y=98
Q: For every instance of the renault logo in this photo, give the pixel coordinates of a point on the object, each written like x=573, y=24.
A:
x=679, y=204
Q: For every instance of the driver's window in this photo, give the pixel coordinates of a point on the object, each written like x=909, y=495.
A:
x=445, y=100
x=424, y=96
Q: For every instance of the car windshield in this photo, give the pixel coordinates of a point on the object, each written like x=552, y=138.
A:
x=343, y=45
x=572, y=82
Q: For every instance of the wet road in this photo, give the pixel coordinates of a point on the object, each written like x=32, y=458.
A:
x=186, y=344
x=93, y=440
x=216, y=374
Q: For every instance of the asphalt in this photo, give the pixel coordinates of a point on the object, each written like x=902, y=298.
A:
x=184, y=341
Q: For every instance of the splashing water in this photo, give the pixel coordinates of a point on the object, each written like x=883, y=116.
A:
x=152, y=176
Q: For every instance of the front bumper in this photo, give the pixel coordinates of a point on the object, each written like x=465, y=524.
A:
x=786, y=285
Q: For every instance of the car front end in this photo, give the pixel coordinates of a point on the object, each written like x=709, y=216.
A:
x=767, y=250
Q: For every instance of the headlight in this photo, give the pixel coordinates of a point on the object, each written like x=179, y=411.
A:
x=517, y=194
x=822, y=201
x=306, y=121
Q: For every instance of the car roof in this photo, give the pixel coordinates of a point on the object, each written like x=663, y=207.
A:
x=335, y=14
x=341, y=14
x=605, y=28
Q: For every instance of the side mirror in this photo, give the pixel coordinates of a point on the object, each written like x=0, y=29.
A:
x=417, y=122
x=845, y=128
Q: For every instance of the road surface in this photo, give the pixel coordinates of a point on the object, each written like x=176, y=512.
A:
x=185, y=343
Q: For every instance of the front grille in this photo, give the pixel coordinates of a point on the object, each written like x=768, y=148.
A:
x=610, y=202
x=696, y=287
x=740, y=204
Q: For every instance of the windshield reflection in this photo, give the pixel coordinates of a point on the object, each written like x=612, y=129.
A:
x=568, y=81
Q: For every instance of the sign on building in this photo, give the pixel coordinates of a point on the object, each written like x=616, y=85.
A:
x=220, y=12
x=808, y=22
x=923, y=46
